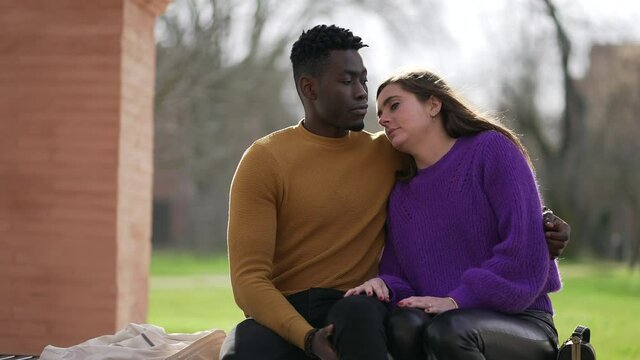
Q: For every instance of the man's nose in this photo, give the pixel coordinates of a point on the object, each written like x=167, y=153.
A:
x=361, y=91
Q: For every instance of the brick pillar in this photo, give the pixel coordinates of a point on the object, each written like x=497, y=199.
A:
x=76, y=139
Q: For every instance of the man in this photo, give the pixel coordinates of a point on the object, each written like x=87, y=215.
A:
x=307, y=213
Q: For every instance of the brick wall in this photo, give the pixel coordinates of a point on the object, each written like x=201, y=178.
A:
x=76, y=92
x=136, y=162
x=613, y=73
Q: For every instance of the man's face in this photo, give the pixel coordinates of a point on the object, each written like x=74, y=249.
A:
x=342, y=91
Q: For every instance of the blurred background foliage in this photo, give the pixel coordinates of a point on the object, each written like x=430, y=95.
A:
x=565, y=75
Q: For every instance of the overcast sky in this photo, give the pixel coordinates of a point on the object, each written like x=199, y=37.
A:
x=481, y=35
x=473, y=43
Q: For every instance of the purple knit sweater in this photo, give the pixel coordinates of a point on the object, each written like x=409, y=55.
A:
x=470, y=227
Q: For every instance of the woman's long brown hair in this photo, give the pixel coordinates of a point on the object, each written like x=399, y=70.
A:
x=457, y=117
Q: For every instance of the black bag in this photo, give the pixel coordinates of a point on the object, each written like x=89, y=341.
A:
x=577, y=347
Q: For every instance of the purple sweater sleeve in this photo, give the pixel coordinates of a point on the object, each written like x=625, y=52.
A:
x=515, y=274
x=391, y=274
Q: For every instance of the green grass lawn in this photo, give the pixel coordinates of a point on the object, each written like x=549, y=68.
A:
x=605, y=297
x=191, y=293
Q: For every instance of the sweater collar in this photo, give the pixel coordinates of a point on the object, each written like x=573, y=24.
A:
x=446, y=158
x=323, y=140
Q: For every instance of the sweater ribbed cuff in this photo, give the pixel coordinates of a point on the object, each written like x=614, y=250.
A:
x=398, y=289
x=298, y=332
x=463, y=296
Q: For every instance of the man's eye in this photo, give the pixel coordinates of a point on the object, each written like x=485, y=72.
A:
x=364, y=81
x=346, y=82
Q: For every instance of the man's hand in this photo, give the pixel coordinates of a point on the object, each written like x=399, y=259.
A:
x=557, y=232
x=370, y=287
x=430, y=304
x=321, y=345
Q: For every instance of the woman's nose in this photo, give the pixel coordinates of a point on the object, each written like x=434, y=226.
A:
x=383, y=120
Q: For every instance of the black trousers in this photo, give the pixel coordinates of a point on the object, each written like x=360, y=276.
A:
x=471, y=334
x=358, y=331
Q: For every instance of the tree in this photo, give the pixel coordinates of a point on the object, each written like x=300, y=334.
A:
x=562, y=149
x=588, y=175
x=223, y=80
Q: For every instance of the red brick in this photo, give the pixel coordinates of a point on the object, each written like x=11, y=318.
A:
x=75, y=168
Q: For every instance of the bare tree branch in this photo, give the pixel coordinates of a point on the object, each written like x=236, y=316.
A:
x=573, y=112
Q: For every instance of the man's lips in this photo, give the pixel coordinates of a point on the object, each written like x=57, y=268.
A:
x=360, y=109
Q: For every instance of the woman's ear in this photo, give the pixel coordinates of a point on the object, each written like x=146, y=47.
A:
x=435, y=105
x=308, y=87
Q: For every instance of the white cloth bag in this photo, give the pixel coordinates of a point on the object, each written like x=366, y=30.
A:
x=142, y=341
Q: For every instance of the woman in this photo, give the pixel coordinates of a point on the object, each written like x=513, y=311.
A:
x=466, y=262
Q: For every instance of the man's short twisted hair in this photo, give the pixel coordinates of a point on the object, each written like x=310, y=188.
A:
x=311, y=50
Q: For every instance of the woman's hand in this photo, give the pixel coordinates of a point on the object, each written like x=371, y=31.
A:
x=430, y=304
x=370, y=287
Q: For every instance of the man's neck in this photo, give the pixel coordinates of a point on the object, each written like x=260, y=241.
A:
x=326, y=131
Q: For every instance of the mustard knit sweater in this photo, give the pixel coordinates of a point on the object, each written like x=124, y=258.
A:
x=306, y=212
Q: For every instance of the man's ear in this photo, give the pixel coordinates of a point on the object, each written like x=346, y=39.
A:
x=308, y=86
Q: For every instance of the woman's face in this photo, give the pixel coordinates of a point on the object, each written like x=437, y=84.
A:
x=404, y=118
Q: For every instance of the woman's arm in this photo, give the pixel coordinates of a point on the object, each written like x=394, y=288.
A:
x=513, y=277
x=392, y=275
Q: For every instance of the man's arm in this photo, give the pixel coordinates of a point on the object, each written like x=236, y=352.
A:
x=556, y=231
x=255, y=192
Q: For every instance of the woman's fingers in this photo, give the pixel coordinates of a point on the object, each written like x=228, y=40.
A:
x=364, y=288
x=355, y=291
x=429, y=304
x=374, y=286
x=381, y=290
x=414, y=302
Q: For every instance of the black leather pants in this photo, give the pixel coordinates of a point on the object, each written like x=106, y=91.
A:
x=471, y=334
